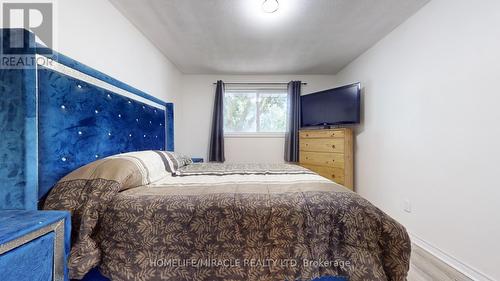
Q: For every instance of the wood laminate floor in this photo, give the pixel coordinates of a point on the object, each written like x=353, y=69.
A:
x=426, y=267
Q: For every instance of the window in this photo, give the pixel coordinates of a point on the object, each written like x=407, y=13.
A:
x=255, y=111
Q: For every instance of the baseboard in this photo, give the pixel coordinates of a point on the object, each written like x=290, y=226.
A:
x=438, y=265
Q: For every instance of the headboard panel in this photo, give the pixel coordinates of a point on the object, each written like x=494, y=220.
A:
x=82, y=115
x=80, y=122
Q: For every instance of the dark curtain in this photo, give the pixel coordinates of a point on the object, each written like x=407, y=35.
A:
x=293, y=122
x=216, y=153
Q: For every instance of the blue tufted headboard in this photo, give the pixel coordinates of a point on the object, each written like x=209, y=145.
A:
x=62, y=115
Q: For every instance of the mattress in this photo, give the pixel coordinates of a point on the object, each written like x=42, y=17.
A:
x=288, y=225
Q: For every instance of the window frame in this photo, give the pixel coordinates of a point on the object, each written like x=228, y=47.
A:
x=258, y=91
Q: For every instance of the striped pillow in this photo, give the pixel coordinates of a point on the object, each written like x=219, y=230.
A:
x=131, y=169
x=156, y=162
x=154, y=165
x=183, y=159
x=174, y=161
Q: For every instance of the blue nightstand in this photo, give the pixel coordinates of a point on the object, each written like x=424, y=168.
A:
x=34, y=245
x=197, y=160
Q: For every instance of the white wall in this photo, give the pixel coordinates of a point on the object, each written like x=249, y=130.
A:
x=431, y=132
x=196, y=114
x=93, y=32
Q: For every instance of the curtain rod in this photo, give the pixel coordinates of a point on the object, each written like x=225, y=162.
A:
x=258, y=83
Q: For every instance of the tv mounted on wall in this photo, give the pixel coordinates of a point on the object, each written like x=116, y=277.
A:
x=336, y=106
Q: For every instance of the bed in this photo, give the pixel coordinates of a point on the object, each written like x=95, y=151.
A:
x=138, y=218
x=76, y=139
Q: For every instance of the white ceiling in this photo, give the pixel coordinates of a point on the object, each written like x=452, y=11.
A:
x=236, y=37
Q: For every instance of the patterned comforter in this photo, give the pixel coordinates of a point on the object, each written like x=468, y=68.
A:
x=291, y=225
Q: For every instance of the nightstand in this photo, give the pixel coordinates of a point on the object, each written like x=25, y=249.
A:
x=34, y=245
x=197, y=160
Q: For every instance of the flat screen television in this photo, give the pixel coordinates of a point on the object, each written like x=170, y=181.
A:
x=332, y=107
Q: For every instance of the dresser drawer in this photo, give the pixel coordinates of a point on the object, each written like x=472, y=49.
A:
x=322, y=159
x=334, y=174
x=34, y=245
x=322, y=145
x=33, y=261
x=321, y=134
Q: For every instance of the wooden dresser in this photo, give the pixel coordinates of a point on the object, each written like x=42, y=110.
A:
x=329, y=153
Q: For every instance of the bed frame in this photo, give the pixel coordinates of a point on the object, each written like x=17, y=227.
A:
x=56, y=117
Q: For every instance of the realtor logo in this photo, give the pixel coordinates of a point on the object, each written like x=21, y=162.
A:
x=35, y=17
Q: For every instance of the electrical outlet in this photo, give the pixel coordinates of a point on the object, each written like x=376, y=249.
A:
x=407, y=206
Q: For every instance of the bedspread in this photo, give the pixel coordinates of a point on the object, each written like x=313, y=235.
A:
x=295, y=226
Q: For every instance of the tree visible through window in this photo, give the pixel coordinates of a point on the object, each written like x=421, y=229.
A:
x=255, y=111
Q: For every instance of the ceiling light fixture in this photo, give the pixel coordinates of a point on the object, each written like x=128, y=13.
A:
x=270, y=6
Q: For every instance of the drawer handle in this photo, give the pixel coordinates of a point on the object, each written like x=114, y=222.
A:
x=333, y=134
x=333, y=146
x=333, y=176
x=307, y=135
